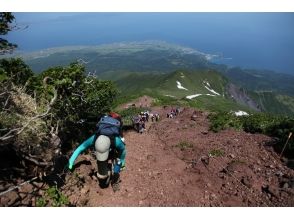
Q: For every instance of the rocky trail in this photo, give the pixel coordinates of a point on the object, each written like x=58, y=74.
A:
x=179, y=162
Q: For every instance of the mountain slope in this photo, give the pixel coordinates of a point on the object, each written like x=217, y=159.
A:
x=124, y=62
x=206, y=89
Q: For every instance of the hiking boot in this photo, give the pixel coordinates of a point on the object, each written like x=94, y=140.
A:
x=115, y=182
x=115, y=187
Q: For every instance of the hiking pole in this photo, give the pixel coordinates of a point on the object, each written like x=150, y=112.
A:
x=18, y=186
x=286, y=144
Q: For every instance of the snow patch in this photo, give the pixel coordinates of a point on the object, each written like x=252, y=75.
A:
x=179, y=85
x=207, y=86
x=182, y=75
x=196, y=95
x=240, y=113
x=170, y=96
x=192, y=96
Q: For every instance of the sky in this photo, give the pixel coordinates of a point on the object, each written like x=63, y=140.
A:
x=249, y=40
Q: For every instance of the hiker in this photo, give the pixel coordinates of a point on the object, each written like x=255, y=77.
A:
x=157, y=117
x=109, y=145
x=136, y=122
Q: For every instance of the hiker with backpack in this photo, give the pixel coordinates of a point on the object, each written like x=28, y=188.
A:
x=109, y=144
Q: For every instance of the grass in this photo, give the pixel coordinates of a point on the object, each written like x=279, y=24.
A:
x=184, y=145
x=52, y=197
x=216, y=153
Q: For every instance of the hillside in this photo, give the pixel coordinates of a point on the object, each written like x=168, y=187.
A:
x=179, y=162
x=205, y=89
x=143, y=56
x=126, y=62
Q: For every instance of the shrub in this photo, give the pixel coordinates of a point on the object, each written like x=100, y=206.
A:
x=275, y=126
x=52, y=197
x=223, y=120
x=216, y=153
x=184, y=145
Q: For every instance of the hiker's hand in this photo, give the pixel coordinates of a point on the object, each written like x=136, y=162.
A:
x=70, y=166
x=123, y=165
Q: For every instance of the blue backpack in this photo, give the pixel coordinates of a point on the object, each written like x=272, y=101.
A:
x=108, y=126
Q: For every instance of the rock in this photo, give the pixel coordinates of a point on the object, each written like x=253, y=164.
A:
x=205, y=160
x=229, y=142
x=279, y=173
x=13, y=198
x=83, y=201
x=246, y=181
x=85, y=190
x=4, y=201
x=285, y=185
x=273, y=191
x=232, y=156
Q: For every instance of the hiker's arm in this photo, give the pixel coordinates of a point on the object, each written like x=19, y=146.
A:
x=86, y=144
x=121, y=147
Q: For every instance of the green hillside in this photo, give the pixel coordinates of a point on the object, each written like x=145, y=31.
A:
x=262, y=80
x=151, y=67
x=164, y=88
x=273, y=103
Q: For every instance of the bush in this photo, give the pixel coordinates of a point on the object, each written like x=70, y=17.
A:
x=259, y=123
x=216, y=153
x=275, y=126
x=222, y=120
x=184, y=145
x=53, y=197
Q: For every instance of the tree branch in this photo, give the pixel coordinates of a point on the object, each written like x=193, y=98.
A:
x=38, y=163
x=21, y=129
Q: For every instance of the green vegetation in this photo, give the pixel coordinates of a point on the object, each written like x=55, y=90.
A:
x=278, y=127
x=273, y=103
x=15, y=70
x=184, y=145
x=128, y=113
x=152, y=67
x=56, y=103
x=53, y=197
x=6, y=20
x=223, y=120
x=216, y=153
x=261, y=80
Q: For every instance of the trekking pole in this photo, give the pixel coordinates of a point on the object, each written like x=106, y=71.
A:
x=286, y=144
x=18, y=186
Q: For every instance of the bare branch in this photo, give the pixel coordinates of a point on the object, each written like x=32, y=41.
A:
x=38, y=163
x=6, y=102
x=21, y=129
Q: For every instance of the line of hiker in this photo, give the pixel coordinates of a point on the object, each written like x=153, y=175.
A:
x=173, y=112
x=140, y=120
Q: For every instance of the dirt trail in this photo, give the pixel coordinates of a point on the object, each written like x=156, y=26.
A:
x=168, y=165
x=179, y=162
x=148, y=180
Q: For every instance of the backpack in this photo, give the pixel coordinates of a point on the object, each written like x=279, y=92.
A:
x=108, y=126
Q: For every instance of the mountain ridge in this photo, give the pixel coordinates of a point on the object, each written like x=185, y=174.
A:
x=119, y=61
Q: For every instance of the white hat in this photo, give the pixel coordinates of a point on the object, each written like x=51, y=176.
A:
x=102, y=145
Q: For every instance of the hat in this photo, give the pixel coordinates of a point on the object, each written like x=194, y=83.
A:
x=102, y=146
